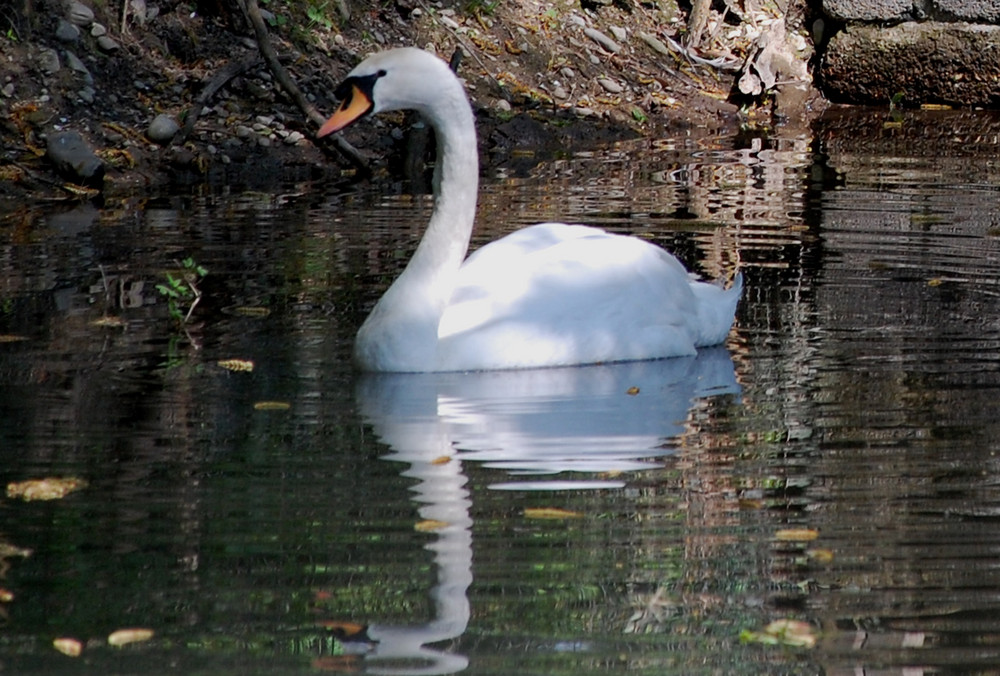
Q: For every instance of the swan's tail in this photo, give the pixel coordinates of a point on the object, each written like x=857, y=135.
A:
x=716, y=309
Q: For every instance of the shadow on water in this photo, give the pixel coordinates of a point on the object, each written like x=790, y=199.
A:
x=835, y=463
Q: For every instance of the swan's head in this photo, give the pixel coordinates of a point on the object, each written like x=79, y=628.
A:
x=398, y=79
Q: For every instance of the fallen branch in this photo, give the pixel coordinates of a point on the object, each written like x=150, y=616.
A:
x=226, y=74
x=252, y=12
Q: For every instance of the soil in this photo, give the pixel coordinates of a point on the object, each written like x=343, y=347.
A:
x=536, y=79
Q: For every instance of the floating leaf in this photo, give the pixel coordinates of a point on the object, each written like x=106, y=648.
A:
x=236, y=364
x=50, y=488
x=6, y=595
x=344, y=629
x=786, y=632
x=936, y=281
x=126, y=636
x=632, y=391
x=11, y=338
x=441, y=460
x=550, y=513
x=109, y=321
x=430, y=525
x=68, y=646
x=252, y=311
x=820, y=555
x=271, y=406
x=796, y=535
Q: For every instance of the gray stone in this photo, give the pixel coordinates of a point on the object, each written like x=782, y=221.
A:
x=560, y=93
x=74, y=159
x=67, y=32
x=79, y=13
x=929, y=62
x=87, y=94
x=869, y=10
x=75, y=64
x=107, y=44
x=610, y=85
x=977, y=11
x=162, y=129
x=8, y=90
x=97, y=30
x=48, y=61
x=603, y=40
x=654, y=43
x=619, y=33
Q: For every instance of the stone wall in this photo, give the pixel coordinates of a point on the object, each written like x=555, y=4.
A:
x=928, y=51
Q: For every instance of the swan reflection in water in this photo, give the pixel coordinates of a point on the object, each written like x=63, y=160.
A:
x=537, y=425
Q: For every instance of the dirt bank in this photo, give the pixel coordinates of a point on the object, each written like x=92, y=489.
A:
x=552, y=75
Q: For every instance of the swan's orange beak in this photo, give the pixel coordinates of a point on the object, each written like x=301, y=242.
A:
x=354, y=106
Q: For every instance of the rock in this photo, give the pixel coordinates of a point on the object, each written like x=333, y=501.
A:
x=560, y=93
x=610, y=85
x=162, y=129
x=97, y=30
x=80, y=14
x=503, y=105
x=654, y=43
x=955, y=63
x=8, y=90
x=603, y=40
x=67, y=32
x=87, y=94
x=619, y=33
x=567, y=72
x=293, y=138
x=107, y=44
x=48, y=61
x=75, y=64
x=243, y=131
x=979, y=11
x=74, y=159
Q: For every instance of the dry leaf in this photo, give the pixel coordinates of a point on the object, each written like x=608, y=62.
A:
x=6, y=595
x=632, y=391
x=11, y=338
x=68, y=646
x=109, y=321
x=550, y=513
x=820, y=555
x=796, y=535
x=125, y=636
x=236, y=364
x=441, y=460
x=936, y=281
x=429, y=525
x=50, y=488
x=252, y=311
x=271, y=406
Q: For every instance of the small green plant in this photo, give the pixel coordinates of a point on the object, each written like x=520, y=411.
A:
x=318, y=16
x=183, y=289
x=638, y=115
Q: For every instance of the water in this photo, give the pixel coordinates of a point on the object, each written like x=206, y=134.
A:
x=835, y=463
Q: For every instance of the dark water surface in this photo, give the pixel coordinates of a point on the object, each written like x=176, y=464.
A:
x=835, y=463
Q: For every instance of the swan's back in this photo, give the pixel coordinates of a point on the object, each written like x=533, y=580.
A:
x=555, y=294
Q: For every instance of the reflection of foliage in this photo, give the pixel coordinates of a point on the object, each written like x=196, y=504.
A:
x=183, y=289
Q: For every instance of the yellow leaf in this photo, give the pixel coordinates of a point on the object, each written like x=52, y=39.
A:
x=792, y=632
x=236, y=364
x=820, y=555
x=271, y=406
x=632, y=391
x=125, y=636
x=11, y=338
x=68, y=646
x=550, y=513
x=252, y=311
x=429, y=525
x=50, y=488
x=796, y=535
x=441, y=460
x=6, y=595
x=109, y=321
x=936, y=281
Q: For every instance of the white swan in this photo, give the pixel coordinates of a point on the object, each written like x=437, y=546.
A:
x=547, y=295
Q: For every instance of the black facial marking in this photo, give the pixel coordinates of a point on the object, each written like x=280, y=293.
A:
x=364, y=83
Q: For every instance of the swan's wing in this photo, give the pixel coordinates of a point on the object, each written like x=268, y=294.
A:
x=560, y=294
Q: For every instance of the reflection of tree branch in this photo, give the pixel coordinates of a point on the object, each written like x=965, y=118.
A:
x=252, y=12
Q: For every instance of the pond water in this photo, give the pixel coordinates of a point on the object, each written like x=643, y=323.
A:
x=835, y=463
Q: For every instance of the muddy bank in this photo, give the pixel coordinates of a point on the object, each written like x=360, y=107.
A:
x=163, y=94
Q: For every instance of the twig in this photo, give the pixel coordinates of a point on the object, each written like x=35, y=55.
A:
x=252, y=13
x=227, y=73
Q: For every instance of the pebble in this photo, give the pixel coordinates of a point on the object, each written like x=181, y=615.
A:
x=560, y=93
x=8, y=90
x=567, y=72
x=80, y=14
x=87, y=94
x=449, y=22
x=67, y=32
x=294, y=138
x=74, y=159
x=503, y=105
x=603, y=40
x=97, y=30
x=74, y=62
x=243, y=131
x=162, y=129
x=107, y=44
x=619, y=33
x=654, y=43
x=610, y=85
x=48, y=61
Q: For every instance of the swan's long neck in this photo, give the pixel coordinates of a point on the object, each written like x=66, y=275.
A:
x=401, y=334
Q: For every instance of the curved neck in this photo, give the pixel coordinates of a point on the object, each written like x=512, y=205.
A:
x=404, y=324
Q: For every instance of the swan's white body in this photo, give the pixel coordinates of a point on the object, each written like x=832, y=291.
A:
x=547, y=295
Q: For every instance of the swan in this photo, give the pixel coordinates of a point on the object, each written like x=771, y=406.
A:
x=546, y=295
